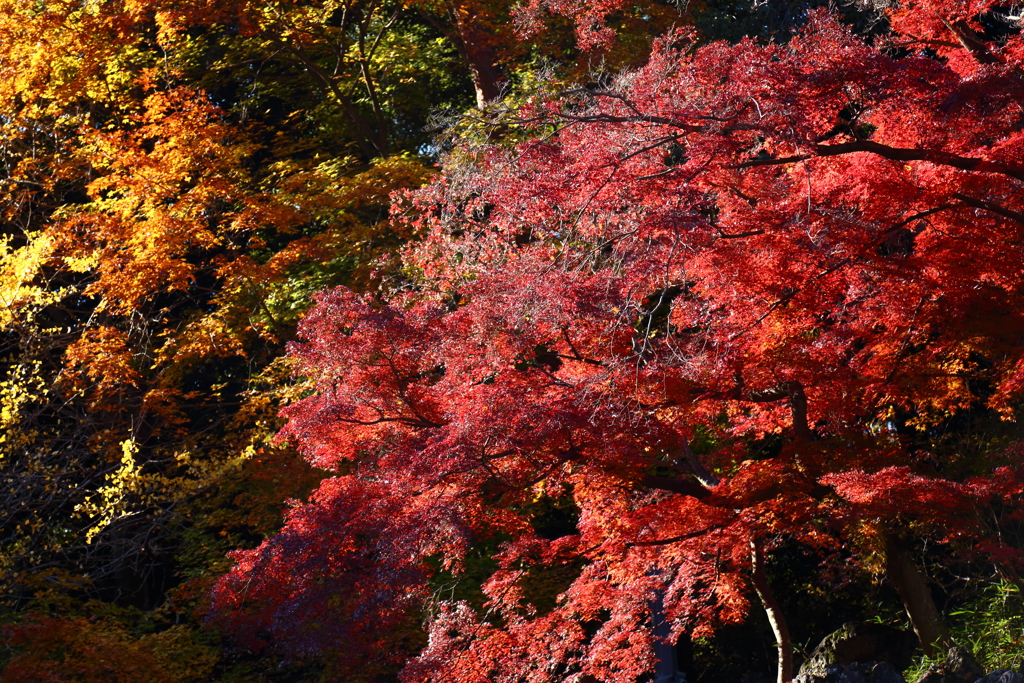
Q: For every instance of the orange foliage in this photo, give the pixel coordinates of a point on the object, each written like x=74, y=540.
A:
x=51, y=650
x=103, y=356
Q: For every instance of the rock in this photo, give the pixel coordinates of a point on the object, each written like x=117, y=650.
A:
x=1002, y=676
x=860, y=643
x=855, y=672
x=958, y=666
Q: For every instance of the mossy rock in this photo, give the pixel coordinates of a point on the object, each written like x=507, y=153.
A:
x=859, y=643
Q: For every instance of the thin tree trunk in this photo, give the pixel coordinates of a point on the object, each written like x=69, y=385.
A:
x=372, y=143
x=783, y=642
x=792, y=390
x=908, y=581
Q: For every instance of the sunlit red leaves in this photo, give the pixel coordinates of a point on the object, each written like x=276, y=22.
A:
x=896, y=491
x=589, y=18
x=717, y=244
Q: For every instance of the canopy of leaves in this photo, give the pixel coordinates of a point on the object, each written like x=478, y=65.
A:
x=818, y=240
x=178, y=179
x=670, y=307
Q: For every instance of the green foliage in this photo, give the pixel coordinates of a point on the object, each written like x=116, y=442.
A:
x=992, y=625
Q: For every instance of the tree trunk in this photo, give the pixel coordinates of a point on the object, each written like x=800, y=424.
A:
x=666, y=664
x=482, y=60
x=775, y=617
x=476, y=46
x=798, y=403
x=917, y=599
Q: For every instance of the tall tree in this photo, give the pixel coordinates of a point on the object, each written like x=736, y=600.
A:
x=161, y=237
x=178, y=178
x=819, y=240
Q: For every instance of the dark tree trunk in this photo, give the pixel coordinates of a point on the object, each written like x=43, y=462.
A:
x=666, y=662
x=908, y=581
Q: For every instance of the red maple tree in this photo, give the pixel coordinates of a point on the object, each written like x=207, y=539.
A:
x=818, y=239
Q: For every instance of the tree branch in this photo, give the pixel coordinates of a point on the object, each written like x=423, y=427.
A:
x=371, y=143
x=682, y=486
x=991, y=208
x=895, y=154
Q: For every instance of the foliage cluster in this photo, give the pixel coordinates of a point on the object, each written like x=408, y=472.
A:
x=731, y=243
x=609, y=317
